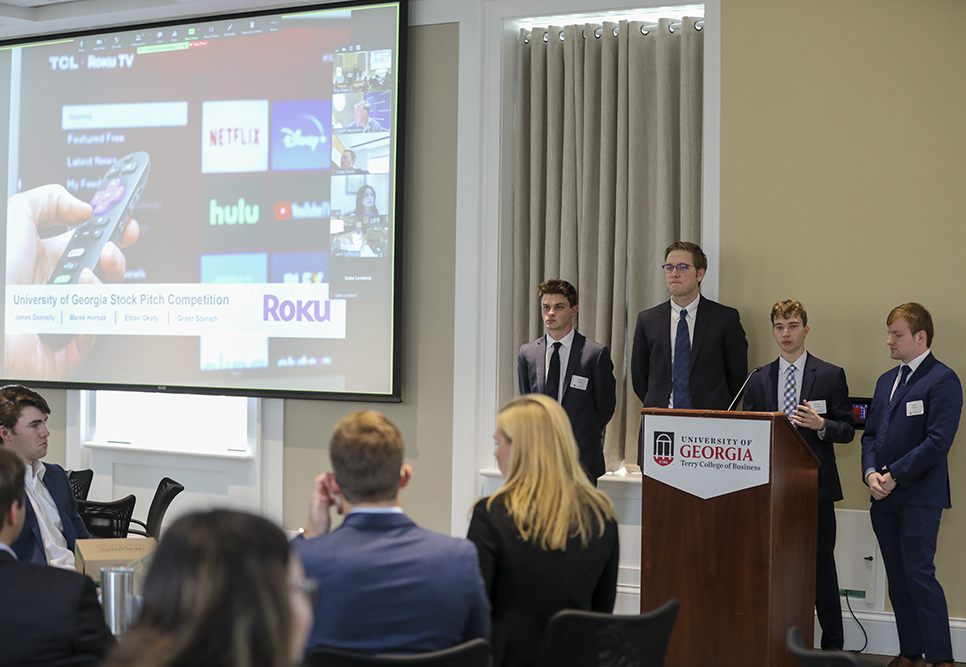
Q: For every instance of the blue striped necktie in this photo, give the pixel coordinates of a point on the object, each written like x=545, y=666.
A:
x=682, y=364
x=789, y=398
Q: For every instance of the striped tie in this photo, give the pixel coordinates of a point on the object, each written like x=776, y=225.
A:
x=682, y=364
x=789, y=397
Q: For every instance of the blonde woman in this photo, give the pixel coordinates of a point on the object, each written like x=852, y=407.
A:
x=547, y=539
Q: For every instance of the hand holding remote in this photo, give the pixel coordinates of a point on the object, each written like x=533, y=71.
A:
x=31, y=261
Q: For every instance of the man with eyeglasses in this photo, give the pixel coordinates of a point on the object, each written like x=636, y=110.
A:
x=689, y=352
x=815, y=396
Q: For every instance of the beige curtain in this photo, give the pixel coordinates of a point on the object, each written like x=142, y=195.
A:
x=608, y=174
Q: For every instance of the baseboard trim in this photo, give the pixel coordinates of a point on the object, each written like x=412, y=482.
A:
x=880, y=626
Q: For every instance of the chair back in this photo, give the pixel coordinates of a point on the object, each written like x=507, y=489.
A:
x=80, y=482
x=165, y=493
x=811, y=658
x=474, y=653
x=594, y=639
x=107, y=519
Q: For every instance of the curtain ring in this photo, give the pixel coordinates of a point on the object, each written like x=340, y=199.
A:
x=616, y=31
x=583, y=34
x=526, y=38
x=561, y=35
x=644, y=30
x=598, y=32
x=545, y=36
x=671, y=28
x=699, y=25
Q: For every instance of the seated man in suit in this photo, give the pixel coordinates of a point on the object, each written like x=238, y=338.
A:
x=815, y=397
x=911, y=426
x=689, y=352
x=386, y=585
x=579, y=370
x=52, y=524
x=48, y=616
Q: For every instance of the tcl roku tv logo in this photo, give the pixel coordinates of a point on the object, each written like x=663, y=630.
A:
x=234, y=136
x=301, y=135
x=287, y=310
x=663, y=447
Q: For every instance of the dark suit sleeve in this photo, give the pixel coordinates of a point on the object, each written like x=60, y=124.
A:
x=640, y=360
x=93, y=636
x=605, y=594
x=75, y=518
x=736, y=355
x=871, y=430
x=478, y=623
x=754, y=400
x=840, y=421
x=605, y=388
x=523, y=374
x=945, y=407
x=482, y=533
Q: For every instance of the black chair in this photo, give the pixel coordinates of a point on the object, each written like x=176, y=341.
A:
x=80, y=482
x=811, y=658
x=107, y=519
x=594, y=639
x=167, y=490
x=474, y=653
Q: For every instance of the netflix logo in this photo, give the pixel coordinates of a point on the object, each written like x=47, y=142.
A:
x=233, y=136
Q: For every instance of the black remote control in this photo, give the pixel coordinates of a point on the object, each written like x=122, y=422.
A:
x=117, y=195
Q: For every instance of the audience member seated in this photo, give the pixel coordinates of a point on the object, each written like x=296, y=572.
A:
x=547, y=538
x=48, y=616
x=52, y=524
x=224, y=590
x=388, y=586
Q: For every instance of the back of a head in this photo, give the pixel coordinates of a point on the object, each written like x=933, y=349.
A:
x=216, y=595
x=546, y=490
x=367, y=451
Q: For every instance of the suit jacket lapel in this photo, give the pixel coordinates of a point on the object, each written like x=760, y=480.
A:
x=771, y=400
x=808, y=379
x=665, y=338
x=701, y=320
x=924, y=367
x=576, y=349
x=541, y=363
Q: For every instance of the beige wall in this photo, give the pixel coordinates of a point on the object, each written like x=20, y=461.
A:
x=843, y=159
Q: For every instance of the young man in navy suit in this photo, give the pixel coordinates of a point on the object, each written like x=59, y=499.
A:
x=580, y=370
x=689, y=352
x=52, y=523
x=387, y=585
x=911, y=426
x=815, y=396
x=48, y=616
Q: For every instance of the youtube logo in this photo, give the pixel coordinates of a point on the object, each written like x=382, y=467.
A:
x=283, y=210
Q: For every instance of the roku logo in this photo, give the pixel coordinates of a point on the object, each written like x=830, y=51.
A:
x=232, y=215
x=286, y=311
x=234, y=136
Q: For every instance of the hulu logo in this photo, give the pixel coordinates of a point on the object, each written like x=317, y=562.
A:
x=237, y=214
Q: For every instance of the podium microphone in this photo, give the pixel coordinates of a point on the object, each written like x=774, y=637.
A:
x=742, y=390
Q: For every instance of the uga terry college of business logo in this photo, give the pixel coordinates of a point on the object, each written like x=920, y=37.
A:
x=663, y=447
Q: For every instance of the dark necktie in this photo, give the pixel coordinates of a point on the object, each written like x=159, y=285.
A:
x=682, y=364
x=552, y=385
x=884, y=420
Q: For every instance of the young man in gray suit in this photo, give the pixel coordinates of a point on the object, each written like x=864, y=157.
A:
x=572, y=369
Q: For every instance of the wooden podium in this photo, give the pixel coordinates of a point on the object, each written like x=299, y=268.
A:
x=743, y=563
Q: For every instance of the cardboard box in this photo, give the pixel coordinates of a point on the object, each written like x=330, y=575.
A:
x=135, y=552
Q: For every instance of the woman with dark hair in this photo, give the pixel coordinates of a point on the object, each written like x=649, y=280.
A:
x=547, y=539
x=223, y=590
x=366, y=201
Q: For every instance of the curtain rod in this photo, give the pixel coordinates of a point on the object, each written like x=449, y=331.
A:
x=646, y=28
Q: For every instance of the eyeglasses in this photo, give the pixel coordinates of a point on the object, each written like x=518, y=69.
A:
x=681, y=268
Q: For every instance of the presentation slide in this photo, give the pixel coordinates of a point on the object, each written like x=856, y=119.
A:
x=207, y=205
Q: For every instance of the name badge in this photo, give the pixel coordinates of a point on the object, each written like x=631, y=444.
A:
x=914, y=408
x=578, y=382
x=818, y=406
